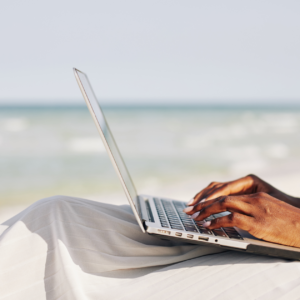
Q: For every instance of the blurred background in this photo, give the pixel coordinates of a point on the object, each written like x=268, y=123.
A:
x=193, y=91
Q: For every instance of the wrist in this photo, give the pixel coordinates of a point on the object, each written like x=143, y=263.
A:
x=286, y=198
x=296, y=201
x=291, y=200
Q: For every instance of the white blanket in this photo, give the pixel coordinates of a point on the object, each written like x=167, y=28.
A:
x=70, y=248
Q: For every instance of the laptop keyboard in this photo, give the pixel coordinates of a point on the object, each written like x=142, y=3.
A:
x=171, y=215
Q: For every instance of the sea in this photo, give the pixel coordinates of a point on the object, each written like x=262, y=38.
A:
x=54, y=150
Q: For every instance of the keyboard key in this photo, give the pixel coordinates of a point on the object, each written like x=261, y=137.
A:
x=165, y=225
x=231, y=229
x=234, y=235
x=184, y=216
x=231, y=232
x=175, y=223
x=204, y=230
x=177, y=227
x=219, y=232
x=188, y=224
x=238, y=237
x=190, y=228
x=200, y=223
x=186, y=219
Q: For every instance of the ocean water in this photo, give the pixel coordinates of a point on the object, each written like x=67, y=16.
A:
x=48, y=151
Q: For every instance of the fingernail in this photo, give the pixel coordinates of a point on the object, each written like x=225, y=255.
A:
x=195, y=215
x=188, y=209
x=206, y=224
x=200, y=222
x=203, y=200
x=191, y=201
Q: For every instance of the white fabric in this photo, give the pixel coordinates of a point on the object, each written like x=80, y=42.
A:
x=71, y=248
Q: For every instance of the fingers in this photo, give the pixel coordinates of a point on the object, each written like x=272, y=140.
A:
x=240, y=204
x=237, y=187
x=225, y=190
x=233, y=220
x=190, y=210
x=202, y=194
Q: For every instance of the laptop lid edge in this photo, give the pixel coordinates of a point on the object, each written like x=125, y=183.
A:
x=135, y=210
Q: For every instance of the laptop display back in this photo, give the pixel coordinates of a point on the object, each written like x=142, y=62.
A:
x=109, y=142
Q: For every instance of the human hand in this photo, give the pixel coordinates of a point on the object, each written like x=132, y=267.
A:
x=244, y=186
x=260, y=214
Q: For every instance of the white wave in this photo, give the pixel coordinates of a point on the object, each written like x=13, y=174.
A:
x=237, y=131
x=15, y=124
x=86, y=145
x=281, y=123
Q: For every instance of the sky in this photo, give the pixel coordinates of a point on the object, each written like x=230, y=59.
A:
x=150, y=51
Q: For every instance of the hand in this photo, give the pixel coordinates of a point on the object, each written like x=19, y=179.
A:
x=244, y=186
x=260, y=214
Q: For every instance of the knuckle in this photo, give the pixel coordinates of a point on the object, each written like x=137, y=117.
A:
x=233, y=218
x=198, y=207
x=213, y=183
x=217, y=221
x=204, y=211
x=260, y=195
x=224, y=201
x=225, y=185
x=251, y=176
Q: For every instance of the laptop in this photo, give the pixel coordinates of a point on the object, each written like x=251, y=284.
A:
x=164, y=217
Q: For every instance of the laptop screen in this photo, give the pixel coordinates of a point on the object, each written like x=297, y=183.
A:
x=107, y=137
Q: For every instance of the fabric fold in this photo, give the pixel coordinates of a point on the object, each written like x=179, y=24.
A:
x=70, y=248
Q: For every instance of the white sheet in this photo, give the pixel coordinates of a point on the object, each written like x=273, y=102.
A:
x=70, y=248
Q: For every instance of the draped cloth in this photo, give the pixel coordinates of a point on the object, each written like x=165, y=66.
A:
x=69, y=248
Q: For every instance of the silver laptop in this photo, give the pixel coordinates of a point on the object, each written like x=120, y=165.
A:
x=165, y=217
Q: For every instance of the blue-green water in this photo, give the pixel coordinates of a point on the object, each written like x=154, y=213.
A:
x=46, y=151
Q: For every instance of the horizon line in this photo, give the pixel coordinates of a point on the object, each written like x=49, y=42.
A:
x=152, y=105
